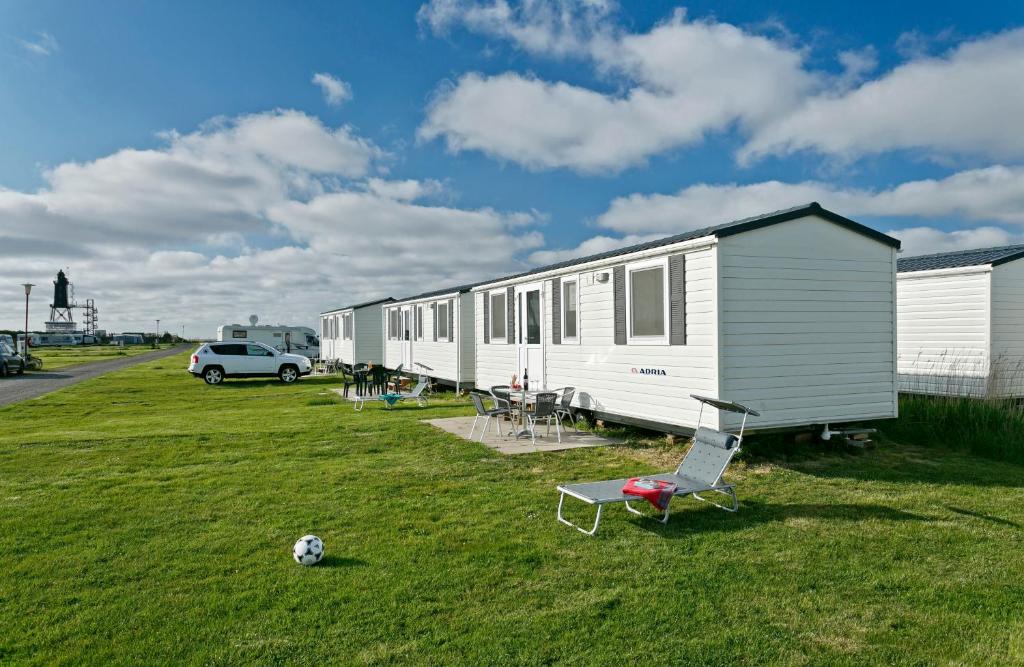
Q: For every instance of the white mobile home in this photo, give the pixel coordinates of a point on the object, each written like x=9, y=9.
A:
x=353, y=334
x=432, y=333
x=961, y=323
x=792, y=313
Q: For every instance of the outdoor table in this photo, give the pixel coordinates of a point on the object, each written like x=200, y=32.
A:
x=524, y=398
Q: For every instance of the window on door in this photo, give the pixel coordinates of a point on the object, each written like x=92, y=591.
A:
x=533, y=317
x=442, y=320
x=648, y=305
x=570, y=310
x=394, y=324
x=498, y=317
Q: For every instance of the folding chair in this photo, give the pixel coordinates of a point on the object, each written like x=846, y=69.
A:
x=700, y=470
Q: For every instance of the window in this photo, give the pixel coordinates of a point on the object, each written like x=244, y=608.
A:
x=239, y=333
x=533, y=317
x=346, y=326
x=394, y=324
x=647, y=303
x=419, y=322
x=570, y=309
x=258, y=351
x=442, y=320
x=232, y=349
x=498, y=317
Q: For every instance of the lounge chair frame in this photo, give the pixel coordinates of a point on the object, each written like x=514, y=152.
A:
x=699, y=472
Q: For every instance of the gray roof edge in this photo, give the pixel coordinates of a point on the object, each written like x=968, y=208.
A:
x=359, y=305
x=994, y=256
x=723, y=230
x=460, y=289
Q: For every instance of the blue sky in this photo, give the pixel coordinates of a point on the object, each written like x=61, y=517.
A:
x=643, y=119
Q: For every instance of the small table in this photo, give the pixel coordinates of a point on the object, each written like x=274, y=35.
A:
x=526, y=397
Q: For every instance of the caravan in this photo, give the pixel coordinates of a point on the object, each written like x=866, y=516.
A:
x=295, y=340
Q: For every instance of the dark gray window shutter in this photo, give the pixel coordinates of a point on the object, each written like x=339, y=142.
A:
x=487, y=317
x=433, y=318
x=619, y=290
x=451, y=321
x=677, y=299
x=556, y=310
x=510, y=301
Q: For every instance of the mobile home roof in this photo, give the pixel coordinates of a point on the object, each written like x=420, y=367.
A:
x=438, y=292
x=961, y=259
x=727, y=229
x=359, y=305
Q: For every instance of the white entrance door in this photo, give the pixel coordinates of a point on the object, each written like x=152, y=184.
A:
x=530, y=334
x=407, y=339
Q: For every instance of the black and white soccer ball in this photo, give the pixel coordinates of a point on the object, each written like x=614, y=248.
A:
x=308, y=550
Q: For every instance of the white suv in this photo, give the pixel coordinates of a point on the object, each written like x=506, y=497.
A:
x=245, y=359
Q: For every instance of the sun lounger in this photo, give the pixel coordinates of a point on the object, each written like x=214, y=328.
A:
x=391, y=399
x=699, y=472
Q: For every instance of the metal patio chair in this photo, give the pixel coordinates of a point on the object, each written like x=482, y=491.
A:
x=391, y=398
x=700, y=470
x=544, y=408
x=564, y=408
x=487, y=414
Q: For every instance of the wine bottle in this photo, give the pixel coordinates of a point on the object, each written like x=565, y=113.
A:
x=526, y=379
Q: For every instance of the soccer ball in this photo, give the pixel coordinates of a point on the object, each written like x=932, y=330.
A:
x=308, y=550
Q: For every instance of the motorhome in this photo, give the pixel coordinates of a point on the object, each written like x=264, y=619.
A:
x=294, y=340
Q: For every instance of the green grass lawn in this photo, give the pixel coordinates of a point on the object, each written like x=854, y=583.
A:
x=148, y=518
x=56, y=358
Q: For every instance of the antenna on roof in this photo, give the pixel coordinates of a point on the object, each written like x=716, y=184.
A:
x=253, y=319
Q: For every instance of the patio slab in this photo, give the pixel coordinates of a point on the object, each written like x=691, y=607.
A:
x=460, y=426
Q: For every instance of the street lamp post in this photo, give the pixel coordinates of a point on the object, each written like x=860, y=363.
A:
x=157, y=341
x=28, y=290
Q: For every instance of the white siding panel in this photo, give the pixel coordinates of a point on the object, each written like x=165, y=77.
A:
x=1008, y=329
x=602, y=372
x=442, y=357
x=807, y=324
x=369, y=336
x=943, y=331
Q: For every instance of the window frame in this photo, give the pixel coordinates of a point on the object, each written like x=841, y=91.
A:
x=631, y=268
x=574, y=280
x=437, y=315
x=503, y=338
x=418, y=322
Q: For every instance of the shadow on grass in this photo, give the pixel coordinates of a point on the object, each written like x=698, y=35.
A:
x=341, y=561
x=683, y=524
x=983, y=517
x=896, y=463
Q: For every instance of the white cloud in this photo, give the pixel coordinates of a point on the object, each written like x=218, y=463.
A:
x=927, y=240
x=404, y=190
x=591, y=246
x=559, y=27
x=44, y=44
x=684, y=79
x=993, y=194
x=967, y=102
x=336, y=92
x=689, y=78
x=272, y=213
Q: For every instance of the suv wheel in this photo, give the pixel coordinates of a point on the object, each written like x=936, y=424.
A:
x=213, y=375
x=288, y=374
x=3, y=370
